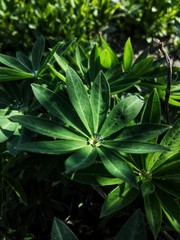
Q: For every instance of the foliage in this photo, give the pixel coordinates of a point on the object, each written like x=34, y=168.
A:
x=95, y=122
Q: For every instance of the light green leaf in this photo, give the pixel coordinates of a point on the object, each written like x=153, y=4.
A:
x=61, y=61
x=58, y=74
x=141, y=68
x=133, y=229
x=117, y=166
x=141, y=132
x=170, y=208
x=114, y=58
x=118, y=198
x=46, y=127
x=105, y=59
x=79, y=99
x=37, y=53
x=99, y=99
x=82, y=158
x=153, y=212
x=7, y=128
x=123, y=113
x=52, y=147
x=58, y=107
x=95, y=174
x=152, y=110
x=60, y=231
x=128, y=55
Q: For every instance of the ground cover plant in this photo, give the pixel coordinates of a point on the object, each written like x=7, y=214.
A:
x=89, y=143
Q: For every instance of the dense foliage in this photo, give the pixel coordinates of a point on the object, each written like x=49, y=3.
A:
x=87, y=137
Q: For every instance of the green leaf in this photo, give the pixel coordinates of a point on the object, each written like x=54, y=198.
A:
x=117, y=166
x=141, y=68
x=152, y=110
x=7, y=128
x=52, y=147
x=25, y=61
x=7, y=74
x=113, y=56
x=79, y=99
x=37, y=53
x=99, y=99
x=133, y=146
x=60, y=231
x=147, y=188
x=82, y=158
x=82, y=60
x=58, y=107
x=118, y=198
x=170, y=140
x=128, y=55
x=94, y=63
x=105, y=59
x=170, y=186
x=123, y=113
x=96, y=174
x=133, y=229
x=153, y=212
x=12, y=63
x=46, y=127
x=141, y=132
x=170, y=208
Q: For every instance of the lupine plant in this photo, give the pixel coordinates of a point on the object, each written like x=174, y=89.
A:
x=102, y=117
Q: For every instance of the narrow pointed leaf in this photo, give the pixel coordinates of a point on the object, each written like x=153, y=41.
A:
x=169, y=186
x=99, y=99
x=82, y=158
x=37, y=52
x=60, y=231
x=58, y=107
x=94, y=63
x=118, y=198
x=117, y=166
x=127, y=55
x=134, y=147
x=12, y=63
x=79, y=99
x=133, y=229
x=141, y=132
x=8, y=74
x=52, y=147
x=25, y=61
x=171, y=209
x=124, y=112
x=82, y=60
x=46, y=127
x=153, y=212
x=152, y=110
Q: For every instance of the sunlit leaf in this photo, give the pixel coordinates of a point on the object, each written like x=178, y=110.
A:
x=128, y=55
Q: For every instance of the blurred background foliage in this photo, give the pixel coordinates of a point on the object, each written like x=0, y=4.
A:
x=22, y=21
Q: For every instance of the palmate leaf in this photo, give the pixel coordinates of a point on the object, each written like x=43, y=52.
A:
x=79, y=99
x=58, y=107
x=60, y=231
x=117, y=166
x=141, y=132
x=133, y=229
x=124, y=112
x=133, y=146
x=170, y=208
x=99, y=99
x=46, y=127
x=153, y=212
x=81, y=159
x=52, y=147
x=118, y=198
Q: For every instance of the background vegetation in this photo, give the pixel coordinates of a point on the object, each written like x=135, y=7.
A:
x=89, y=126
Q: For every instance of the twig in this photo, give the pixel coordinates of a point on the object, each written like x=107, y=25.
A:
x=169, y=78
